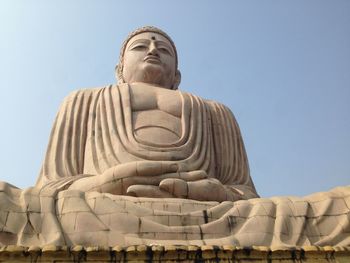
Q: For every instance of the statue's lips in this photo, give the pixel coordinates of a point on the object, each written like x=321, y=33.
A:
x=152, y=59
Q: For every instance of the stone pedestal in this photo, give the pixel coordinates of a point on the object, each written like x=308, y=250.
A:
x=50, y=254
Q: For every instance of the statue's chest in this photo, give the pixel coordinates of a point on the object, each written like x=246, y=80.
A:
x=157, y=116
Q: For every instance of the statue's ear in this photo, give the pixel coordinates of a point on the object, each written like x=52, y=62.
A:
x=118, y=74
x=177, y=80
x=116, y=69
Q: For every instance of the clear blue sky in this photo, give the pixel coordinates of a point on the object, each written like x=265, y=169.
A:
x=283, y=67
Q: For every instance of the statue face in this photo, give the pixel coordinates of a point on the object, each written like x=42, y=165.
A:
x=150, y=58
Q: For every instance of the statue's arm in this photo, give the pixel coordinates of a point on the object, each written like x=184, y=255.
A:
x=231, y=157
x=64, y=158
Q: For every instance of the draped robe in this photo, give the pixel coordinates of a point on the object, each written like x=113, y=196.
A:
x=94, y=131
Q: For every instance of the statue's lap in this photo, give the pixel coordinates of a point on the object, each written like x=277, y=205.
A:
x=73, y=217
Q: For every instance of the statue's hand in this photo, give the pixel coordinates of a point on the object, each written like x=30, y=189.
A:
x=138, y=176
x=203, y=190
x=154, y=190
x=117, y=179
x=190, y=185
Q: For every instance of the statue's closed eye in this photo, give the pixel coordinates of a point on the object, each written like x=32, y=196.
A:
x=164, y=50
x=138, y=47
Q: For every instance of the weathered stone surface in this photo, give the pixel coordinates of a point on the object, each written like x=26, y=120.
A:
x=142, y=163
x=135, y=221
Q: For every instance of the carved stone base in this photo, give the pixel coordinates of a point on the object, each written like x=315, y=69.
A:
x=261, y=254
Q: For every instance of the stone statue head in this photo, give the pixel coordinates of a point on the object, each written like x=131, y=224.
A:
x=149, y=55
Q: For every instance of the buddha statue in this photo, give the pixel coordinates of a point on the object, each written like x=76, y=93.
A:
x=144, y=137
x=142, y=163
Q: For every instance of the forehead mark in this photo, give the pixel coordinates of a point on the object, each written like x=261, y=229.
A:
x=153, y=38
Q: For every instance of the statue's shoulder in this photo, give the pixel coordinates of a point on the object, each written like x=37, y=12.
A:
x=85, y=93
x=214, y=104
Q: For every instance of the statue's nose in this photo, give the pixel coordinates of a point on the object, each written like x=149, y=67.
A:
x=153, y=49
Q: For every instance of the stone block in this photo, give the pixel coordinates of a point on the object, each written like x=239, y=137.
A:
x=74, y=204
x=47, y=204
x=68, y=221
x=15, y=221
x=87, y=221
x=123, y=222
